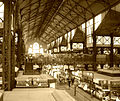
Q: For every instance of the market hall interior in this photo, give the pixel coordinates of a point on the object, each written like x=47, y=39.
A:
x=60, y=50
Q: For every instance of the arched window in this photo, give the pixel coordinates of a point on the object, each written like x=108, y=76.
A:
x=36, y=47
x=30, y=51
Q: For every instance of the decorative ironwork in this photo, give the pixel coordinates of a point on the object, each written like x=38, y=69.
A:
x=7, y=40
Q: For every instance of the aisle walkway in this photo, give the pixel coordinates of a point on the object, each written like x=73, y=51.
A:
x=80, y=94
x=37, y=94
x=29, y=94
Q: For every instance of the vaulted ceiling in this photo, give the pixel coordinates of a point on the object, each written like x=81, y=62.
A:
x=46, y=20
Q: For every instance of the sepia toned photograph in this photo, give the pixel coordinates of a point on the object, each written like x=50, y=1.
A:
x=59, y=50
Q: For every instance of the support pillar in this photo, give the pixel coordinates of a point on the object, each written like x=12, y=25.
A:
x=13, y=47
x=111, y=51
x=19, y=47
x=94, y=46
x=13, y=61
x=85, y=51
x=102, y=50
x=7, y=37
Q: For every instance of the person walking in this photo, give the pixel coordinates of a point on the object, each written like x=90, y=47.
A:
x=75, y=86
x=73, y=79
x=69, y=81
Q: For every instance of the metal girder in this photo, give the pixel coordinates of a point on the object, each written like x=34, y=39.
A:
x=34, y=26
x=13, y=61
x=73, y=9
x=24, y=3
x=64, y=17
x=111, y=50
x=79, y=14
x=7, y=38
x=51, y=35
x=33, y=10
x=24, y=24
x=103, y=2
x=76, y=3
x=36, y=18
x=94, y=46
x=41, y=13
x=54, y=28
x=33, y=17
x=44, y=17
x=29, y=17
x=55, y=8
x=30, y=4
x=67, y=17
x=70, y=20
x=42, y=39
x=86, y=9
x=62, y=1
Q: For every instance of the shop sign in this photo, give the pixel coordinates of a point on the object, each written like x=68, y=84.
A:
x=115, y=84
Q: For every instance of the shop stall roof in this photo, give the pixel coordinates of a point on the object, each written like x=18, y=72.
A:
x=55, y=45
x=50, y=47
x=110, y=24
x=78, y=37
x=63, y=42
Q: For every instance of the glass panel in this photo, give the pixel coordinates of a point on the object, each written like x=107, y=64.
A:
x=90, y=27
x=77, y=45
x=35, y=50
x=103, y=40
x=63, y=48
x=30, y=51
x=100, y=40
x=107, y=40
x=1, y=11
x=69, y=36
x=83, y=27
x=73, y=32
x=116, y=40
x=41, y=51
x=65, y=36
x=89, y=39
x=74, y=45
x=35, y=46
x=60, y=39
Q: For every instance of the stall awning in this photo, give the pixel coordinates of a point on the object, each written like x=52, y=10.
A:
x=110, y=24
x=63, y=42
x=78, y=37
x=50, y=47
x=55, y=45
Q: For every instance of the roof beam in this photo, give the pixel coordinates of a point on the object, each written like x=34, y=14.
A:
x=52, y=17
x=33, y=30
x=22, y=6
x=67, y=18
